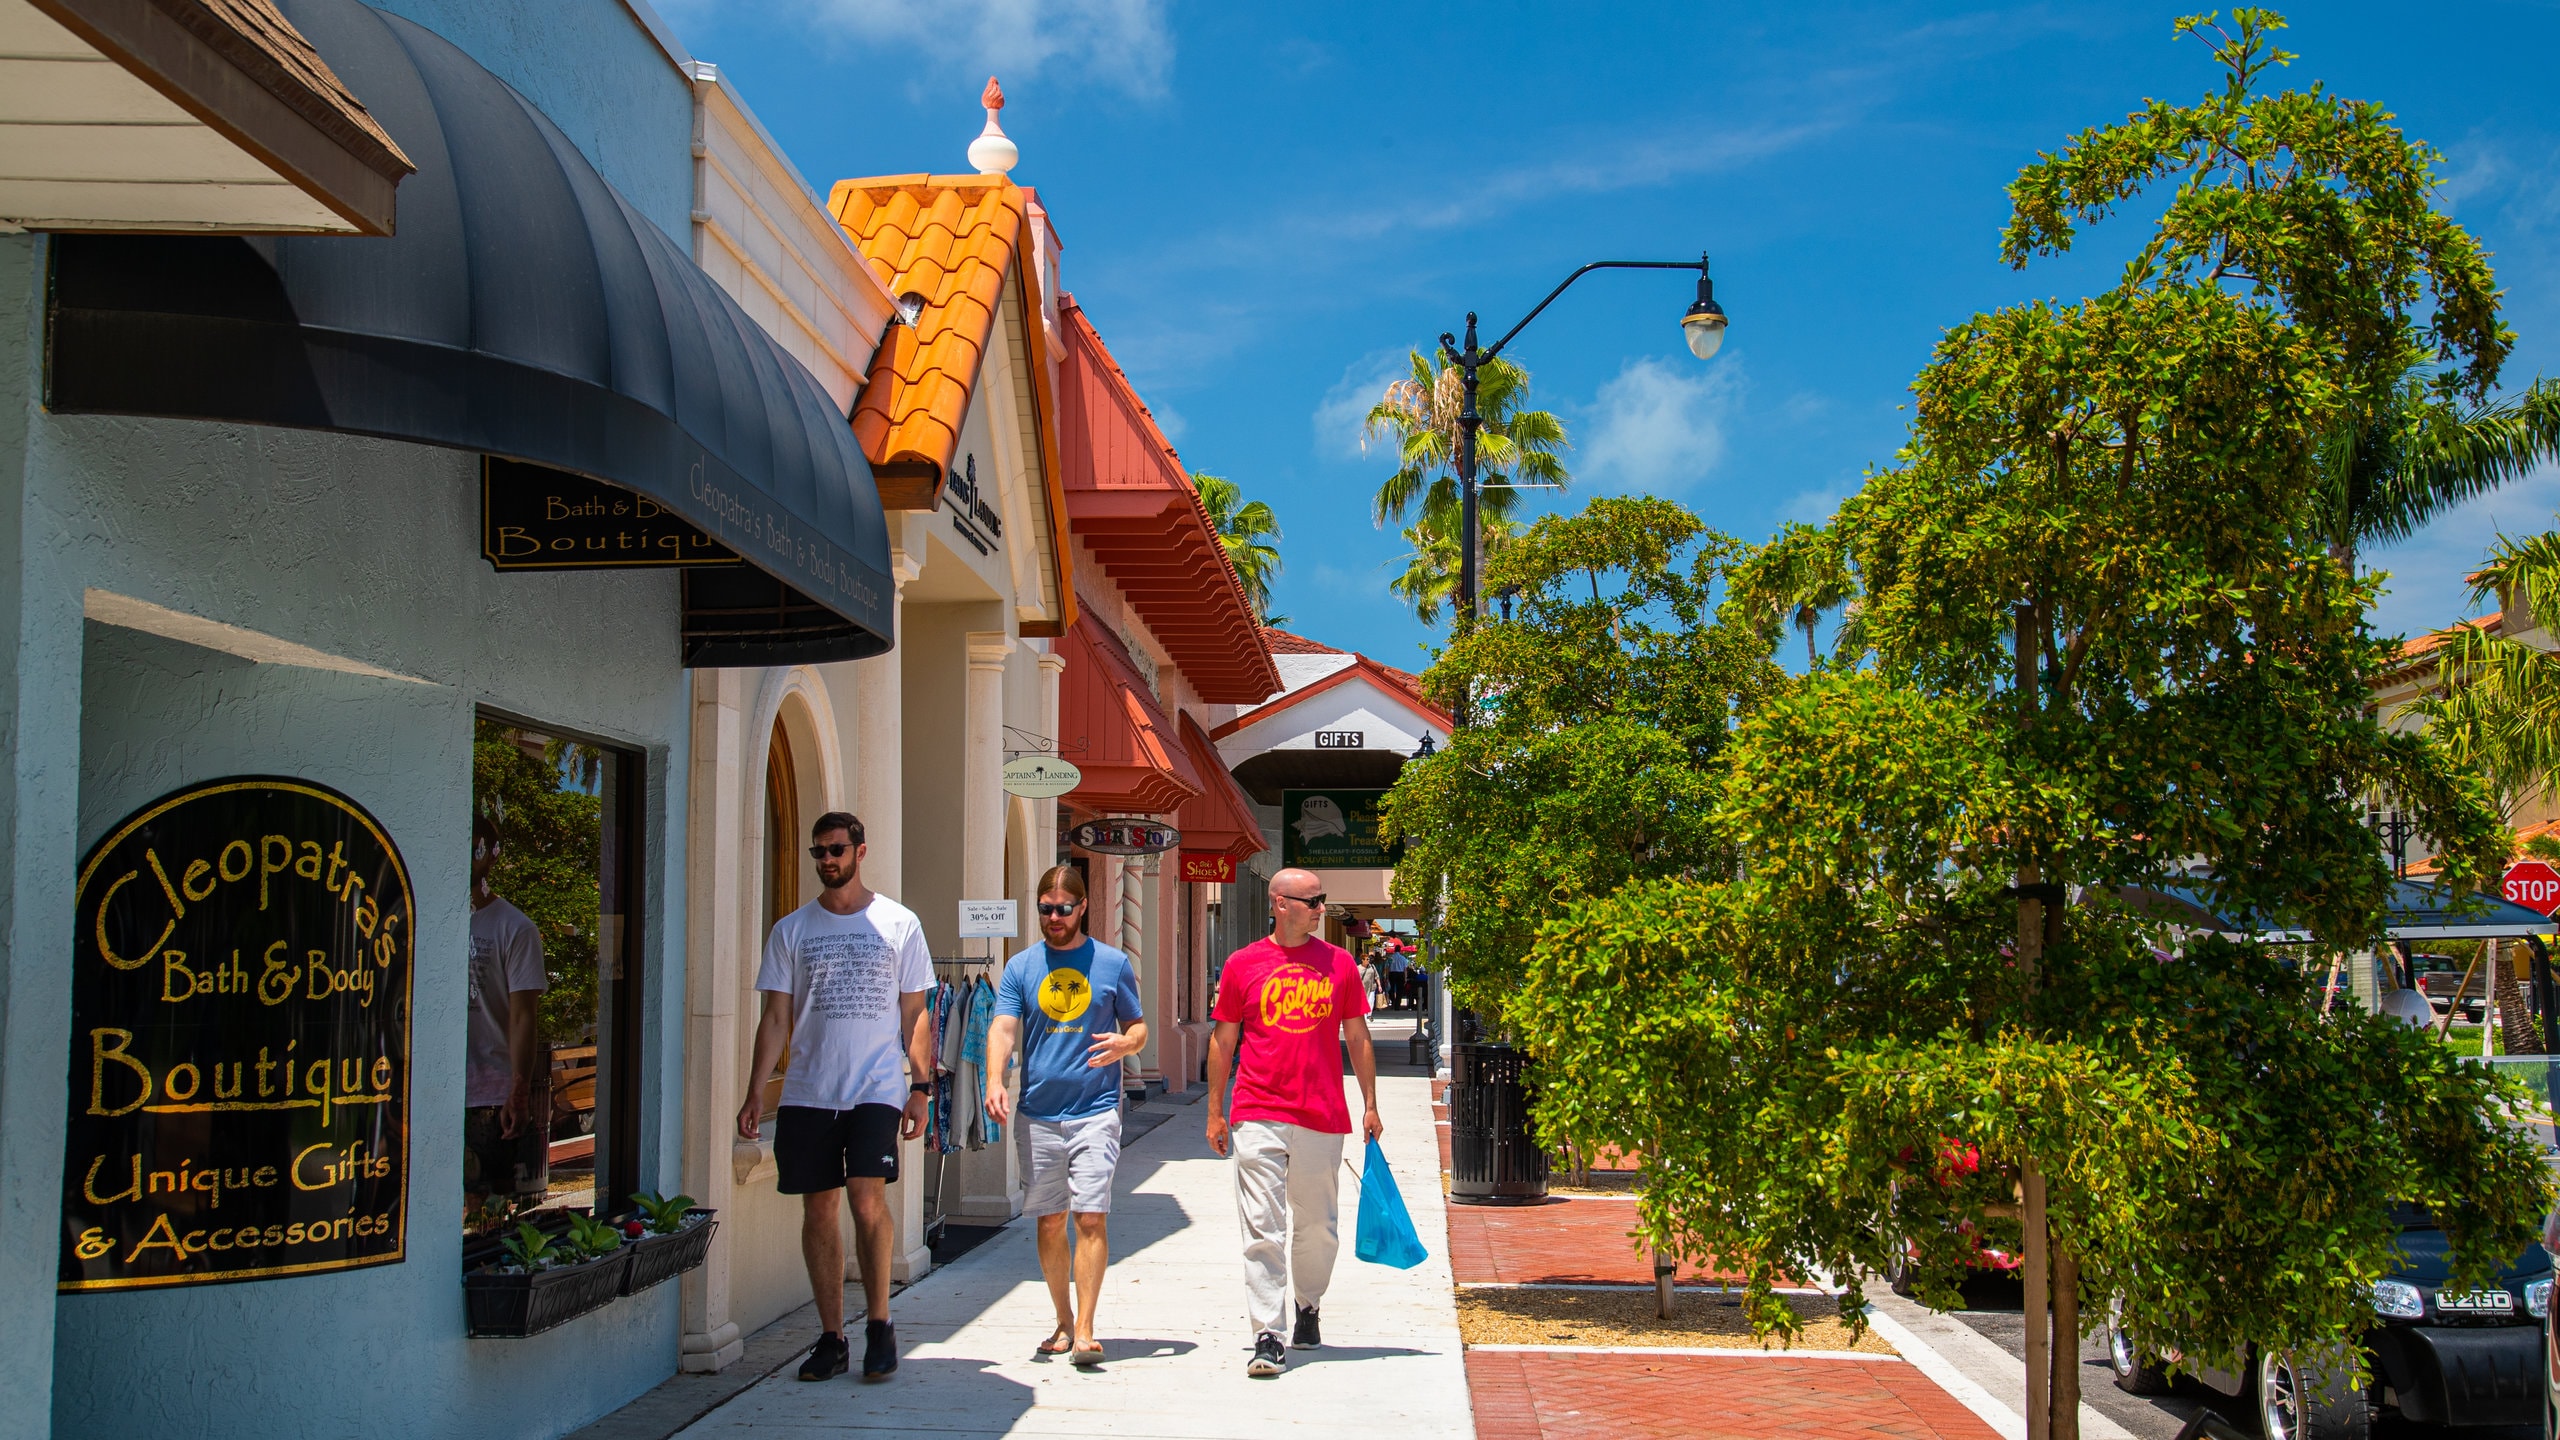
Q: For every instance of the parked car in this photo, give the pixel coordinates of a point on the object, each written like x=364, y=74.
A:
x=2481, y=1357
x=2439, y=976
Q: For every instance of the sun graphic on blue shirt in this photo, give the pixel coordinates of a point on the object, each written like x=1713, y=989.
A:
x=1064, y=993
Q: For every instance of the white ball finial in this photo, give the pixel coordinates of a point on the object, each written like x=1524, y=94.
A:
x=992, y=152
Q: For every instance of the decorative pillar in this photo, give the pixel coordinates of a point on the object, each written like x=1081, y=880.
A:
x=983, y=1183
x=879, y=800
x=715, y=851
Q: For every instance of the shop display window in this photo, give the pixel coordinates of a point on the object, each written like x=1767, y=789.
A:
x=550, y=1071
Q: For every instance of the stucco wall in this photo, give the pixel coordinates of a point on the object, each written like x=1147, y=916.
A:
x=599, y=75
x=367, y=550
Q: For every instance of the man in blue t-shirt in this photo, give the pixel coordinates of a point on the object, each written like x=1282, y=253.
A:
x=1073, y=1001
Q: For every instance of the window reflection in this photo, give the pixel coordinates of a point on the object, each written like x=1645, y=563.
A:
x=545, y=947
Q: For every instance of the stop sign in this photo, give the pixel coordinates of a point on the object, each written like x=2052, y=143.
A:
x=2534, y=885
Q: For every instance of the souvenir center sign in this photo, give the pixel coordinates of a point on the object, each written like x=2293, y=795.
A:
x=1124, y=837
x=239, y=1108
x=1334, y=830
x=1041, y=777
x=533, y=517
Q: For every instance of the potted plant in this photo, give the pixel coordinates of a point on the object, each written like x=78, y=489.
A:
x=668, y=1237
x=541, y=1280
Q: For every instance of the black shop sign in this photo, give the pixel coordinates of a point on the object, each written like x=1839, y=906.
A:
x=239, y=1103
x=533, y=517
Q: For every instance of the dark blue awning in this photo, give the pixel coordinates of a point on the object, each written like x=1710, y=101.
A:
x=2417, y=910
x=525, y=310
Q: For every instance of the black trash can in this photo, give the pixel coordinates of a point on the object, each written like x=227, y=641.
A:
x=1494, y=1158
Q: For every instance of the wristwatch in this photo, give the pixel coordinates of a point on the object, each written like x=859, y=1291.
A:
x=920, y=1087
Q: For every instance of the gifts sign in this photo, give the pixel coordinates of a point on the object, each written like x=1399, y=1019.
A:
x=239, y=1103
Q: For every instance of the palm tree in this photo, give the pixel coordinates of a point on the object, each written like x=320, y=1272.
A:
x=2424, y=452
x=1430, y=578
x=1515, y=446
x=2496, y=706
x=1797, y=578
x=1249, y=532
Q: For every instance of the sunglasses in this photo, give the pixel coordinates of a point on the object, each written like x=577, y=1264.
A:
x=1062, y=911
x=1310, y=901
x=827, y=852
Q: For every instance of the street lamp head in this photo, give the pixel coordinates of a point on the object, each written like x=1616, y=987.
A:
x=1704, y=324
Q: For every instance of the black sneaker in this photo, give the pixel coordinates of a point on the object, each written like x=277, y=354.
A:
x=879, y=1350
x=1270, y=1357
x=827, y=1361
x=1308, y=1336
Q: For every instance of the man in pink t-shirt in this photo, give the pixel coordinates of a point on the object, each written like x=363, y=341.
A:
x=1296, y=1003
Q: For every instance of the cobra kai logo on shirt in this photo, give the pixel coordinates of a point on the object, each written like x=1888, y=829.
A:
x=1296, y=998
x=1064, y=994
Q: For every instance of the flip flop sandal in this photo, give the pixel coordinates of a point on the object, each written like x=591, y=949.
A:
x=1055, y=1345
x=1085, y=1356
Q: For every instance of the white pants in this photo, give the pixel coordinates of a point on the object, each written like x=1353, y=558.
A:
x=1288, y=1203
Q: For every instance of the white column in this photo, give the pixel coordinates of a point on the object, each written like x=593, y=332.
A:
x=715, y=851
x=985, y=1180
x=879, y=799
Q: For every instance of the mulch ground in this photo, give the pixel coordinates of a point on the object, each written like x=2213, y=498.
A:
x=1628, y=1317
x=1528, y=1396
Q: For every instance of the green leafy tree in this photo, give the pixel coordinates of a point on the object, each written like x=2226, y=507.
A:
x=1250, y=534
x=543, y=795
x=1604, y=707
x=1882, y=998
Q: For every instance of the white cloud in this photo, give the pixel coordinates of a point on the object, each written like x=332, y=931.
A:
x=1657, y=427
x=1340, y=415
x=2426, y=588
x=1123, y=44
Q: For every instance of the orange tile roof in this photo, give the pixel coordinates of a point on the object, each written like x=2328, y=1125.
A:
x=2426, y=644
x=1281, y=642
x=950, y=239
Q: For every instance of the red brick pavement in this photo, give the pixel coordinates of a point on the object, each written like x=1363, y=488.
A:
x=1536, y=1396
x=1563, y=1242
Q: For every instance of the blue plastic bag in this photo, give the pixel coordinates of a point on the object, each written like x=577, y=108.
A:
x=1386, y=1230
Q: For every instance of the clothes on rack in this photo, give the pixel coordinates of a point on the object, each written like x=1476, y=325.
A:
x=957, y=1015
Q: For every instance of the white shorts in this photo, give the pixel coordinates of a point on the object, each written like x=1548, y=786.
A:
x=1069, y=1163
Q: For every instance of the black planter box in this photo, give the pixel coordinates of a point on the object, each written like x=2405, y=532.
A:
x=512, y=1306
x=664, y=1257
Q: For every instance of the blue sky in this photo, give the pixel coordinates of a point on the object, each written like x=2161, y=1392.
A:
x=1263, y=207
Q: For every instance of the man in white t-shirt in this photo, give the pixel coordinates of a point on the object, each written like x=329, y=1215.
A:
x=844, y=981
x=505, y=1043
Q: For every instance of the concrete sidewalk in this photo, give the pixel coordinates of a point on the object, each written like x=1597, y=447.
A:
x=1172, y=1321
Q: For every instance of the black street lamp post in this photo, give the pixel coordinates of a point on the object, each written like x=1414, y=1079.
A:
x=1703, y=327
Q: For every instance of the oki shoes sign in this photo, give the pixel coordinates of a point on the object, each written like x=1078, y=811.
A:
x=2533, y=885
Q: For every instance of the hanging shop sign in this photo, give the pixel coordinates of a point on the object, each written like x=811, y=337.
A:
x=1041, y=777
x=1124, y=837
x=1208, y=867
x=1334, y=830
x=533, y=517
x=239, y=1104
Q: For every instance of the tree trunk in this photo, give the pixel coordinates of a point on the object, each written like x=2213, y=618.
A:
x=2066, y=1346
x=2039, y=1292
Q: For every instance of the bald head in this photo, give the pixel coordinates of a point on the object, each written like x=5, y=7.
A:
x=1297, y=905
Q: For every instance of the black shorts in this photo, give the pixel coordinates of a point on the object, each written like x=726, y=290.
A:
x=816, y=1149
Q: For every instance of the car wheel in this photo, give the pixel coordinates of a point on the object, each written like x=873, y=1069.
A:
x=2309, y=1401
x=2136, y=1373
x=1899, y=1277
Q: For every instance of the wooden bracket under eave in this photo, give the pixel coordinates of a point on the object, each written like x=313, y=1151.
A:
x=908, y=484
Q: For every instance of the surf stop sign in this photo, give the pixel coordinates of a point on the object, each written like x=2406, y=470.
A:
x=2534, y=885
